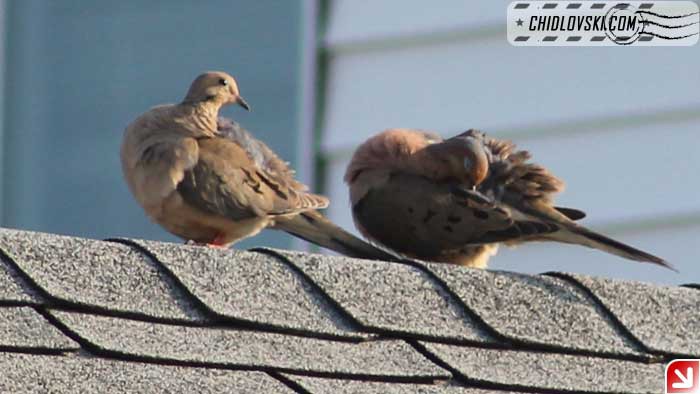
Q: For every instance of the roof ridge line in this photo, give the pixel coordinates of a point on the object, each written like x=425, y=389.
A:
x=49, y=301
x=216, y=320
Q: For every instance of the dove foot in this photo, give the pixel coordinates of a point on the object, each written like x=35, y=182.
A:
x=217, y=242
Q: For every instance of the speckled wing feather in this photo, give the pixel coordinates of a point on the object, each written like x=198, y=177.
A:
x=260, y=153
x=238, y=177
x=427, y=219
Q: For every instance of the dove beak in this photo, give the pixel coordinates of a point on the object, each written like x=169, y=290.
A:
x=241, y=101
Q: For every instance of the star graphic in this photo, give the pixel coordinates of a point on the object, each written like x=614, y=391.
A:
x=519, y=22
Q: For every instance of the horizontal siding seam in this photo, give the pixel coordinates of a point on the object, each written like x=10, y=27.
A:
x=563, y=128
x=414, y=40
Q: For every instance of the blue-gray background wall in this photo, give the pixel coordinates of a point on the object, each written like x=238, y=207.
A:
x=78, y=71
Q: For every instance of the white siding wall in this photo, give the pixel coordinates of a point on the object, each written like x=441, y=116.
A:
x=620, y=125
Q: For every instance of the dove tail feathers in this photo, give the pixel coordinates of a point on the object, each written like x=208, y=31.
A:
x=313, y=227
x=583, y=236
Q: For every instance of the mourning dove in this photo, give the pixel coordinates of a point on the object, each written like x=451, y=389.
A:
x=455, y=200
x=207, y=180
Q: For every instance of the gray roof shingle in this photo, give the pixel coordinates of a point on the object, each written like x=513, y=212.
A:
x=114, y=277
x=337, y=386
x=385, y=300
x=263, y=291
x=10, y=290
x=24, y=328
x=81, y=315
x=79, y=374
x=562, y=372
x=564, y=316
x=252, y=349
x=665, y=319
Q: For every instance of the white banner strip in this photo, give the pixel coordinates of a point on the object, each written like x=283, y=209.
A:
x=603, y=23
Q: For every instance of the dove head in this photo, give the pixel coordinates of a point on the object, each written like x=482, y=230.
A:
x=215, y=87
x=467, y=159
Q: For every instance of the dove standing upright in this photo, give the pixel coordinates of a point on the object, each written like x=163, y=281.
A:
x=455, y=200
x=207, y=180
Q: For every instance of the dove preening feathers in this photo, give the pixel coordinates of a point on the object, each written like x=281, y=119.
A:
x=207, y=180
x=455, y=200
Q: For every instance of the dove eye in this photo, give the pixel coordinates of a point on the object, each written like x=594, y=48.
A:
x=223, y=82
x=467, y=162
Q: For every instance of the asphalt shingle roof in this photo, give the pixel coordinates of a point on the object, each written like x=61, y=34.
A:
x=81, y=373
x=80, y=315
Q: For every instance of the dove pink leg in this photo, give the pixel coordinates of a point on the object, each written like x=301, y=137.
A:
x=218, y=242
